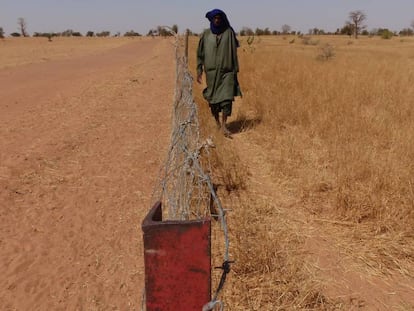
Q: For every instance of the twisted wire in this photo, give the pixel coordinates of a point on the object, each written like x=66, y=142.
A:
x=185, y=188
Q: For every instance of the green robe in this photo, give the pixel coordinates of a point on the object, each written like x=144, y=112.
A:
x=217, y=56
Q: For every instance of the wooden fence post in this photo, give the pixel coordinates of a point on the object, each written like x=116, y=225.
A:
x=187, y=33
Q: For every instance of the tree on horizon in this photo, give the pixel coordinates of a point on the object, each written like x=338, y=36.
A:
x=21, y=22
x=356, y=20
x=286, y=29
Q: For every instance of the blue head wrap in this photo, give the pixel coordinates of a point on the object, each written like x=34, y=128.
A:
x=224, y=23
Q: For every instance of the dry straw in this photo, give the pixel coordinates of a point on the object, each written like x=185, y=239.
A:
x=326, y=155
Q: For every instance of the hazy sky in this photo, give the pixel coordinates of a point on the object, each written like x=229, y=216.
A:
x=142, y=15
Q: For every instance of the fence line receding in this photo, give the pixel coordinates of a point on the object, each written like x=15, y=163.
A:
x=184, y=186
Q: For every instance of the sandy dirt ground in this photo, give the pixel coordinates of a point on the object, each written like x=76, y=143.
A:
x=82, y=139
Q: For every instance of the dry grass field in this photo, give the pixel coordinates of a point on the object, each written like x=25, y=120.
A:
x=320, y=174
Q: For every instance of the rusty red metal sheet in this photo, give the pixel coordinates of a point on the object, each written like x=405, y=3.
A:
x=177, y=257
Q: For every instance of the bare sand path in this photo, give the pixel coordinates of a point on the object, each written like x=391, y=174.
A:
x=81, y=143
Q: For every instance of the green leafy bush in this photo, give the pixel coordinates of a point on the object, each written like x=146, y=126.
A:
x=386, y=34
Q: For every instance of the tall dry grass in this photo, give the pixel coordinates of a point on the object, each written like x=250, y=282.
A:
x=343, y=126
x=358, y=108
x=338, y=135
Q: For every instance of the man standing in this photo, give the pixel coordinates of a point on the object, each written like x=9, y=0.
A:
x=217, y=57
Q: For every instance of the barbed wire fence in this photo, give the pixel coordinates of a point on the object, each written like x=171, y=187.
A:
x=185, y=188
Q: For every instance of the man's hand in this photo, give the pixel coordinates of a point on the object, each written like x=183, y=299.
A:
x=200, y=78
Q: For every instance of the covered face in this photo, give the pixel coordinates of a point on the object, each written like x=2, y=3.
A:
x=218, y=21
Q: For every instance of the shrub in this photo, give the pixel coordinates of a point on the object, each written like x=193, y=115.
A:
x=132, y=34
x=1, y=33
x=48, y=35
x=386, y=34
x=326, y=52
x=406, y=32
x=309, y=41
x=103, y=34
